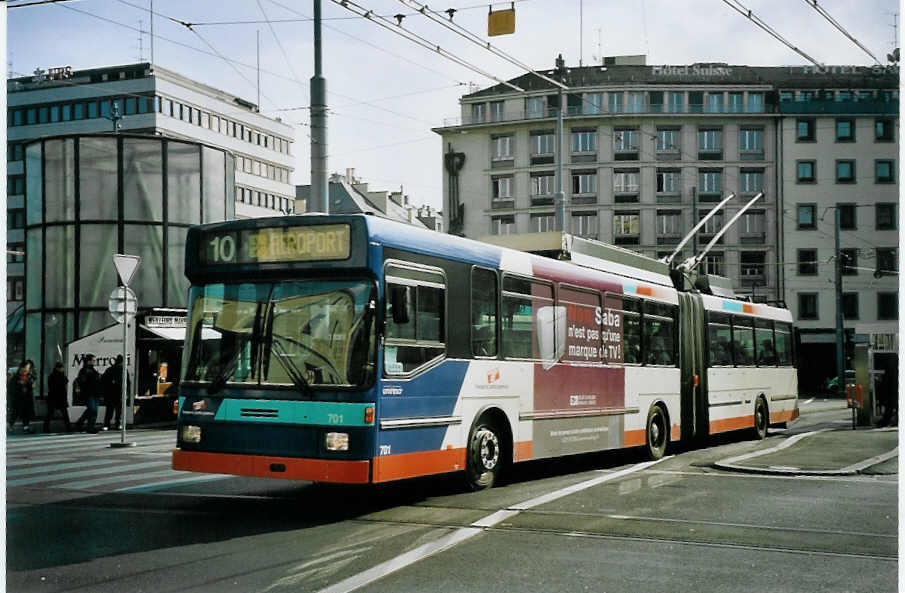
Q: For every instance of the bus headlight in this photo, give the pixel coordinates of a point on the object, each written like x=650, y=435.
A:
x=337, y=441
x=191, y=434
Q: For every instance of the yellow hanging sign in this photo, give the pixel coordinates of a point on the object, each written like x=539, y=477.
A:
x=501, y=22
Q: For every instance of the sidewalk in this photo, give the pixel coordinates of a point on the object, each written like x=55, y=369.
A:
x=834, y=452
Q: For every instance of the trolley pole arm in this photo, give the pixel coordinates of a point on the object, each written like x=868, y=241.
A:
x=693, y=262
x=669, y=258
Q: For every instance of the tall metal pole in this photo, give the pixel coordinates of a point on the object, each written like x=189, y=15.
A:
x=840, y=332
x=319, y=192
x=258, y=46
x=152, y=32
x=559, y=199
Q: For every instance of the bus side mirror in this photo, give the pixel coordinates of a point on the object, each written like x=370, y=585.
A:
x=401, y=301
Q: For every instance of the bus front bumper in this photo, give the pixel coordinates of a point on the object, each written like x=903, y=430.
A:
x=262, y=466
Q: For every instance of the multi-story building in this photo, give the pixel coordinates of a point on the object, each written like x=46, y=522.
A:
x=140, y=99
x=649, y=150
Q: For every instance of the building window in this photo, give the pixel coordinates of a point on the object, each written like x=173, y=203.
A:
x=755, y=103
x=15, y=185
x=713, y=225
x=884, y=171
x=478, y=112
x=15, y=253
x=807, y=216
x=752, y=265
x=804, y=130
x=15, y=289
x=753, y=227
x=850, y=305
x=806, y=171
x=543, y=223
x=15, y=219
x=887, y=261
x=807, y=305
x=626, y=228
x=584, y=224
x=807, y=262
x=502, y=191
x=542, y=185
x=751, y=141
x=736, y=102
x=887, y=305
x=751, y=182
x=714, y=264
x=634, y=102
x=584, y=141
x=886, y=217
x=584, y=183
x=668, y=140
x=848, y=217
x=669, y=181
x=669, y=224
x=845, y=171
x=593, y=104
x=675, y=102
x=625, y=141
x=502, y=148
x=497, y=112
x=845, y=130
x=626, y=181
x=714, y=103
x=541, y=144
x=884, y=130
x=15, y=151
x=710, y=183
x=535, y=107
x=616, y=105
x=849, y=259
x=710, y=143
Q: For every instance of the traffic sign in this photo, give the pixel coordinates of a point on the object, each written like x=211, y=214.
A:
x=126, y=266
x=122, y=303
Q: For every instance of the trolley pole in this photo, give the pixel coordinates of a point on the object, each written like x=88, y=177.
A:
x=561, y=220
x=840, y=332
x=319, y=191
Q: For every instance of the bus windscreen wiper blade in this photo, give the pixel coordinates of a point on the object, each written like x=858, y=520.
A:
x=282, y=357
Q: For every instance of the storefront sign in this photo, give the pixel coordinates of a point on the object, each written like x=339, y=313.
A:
x=164, y=321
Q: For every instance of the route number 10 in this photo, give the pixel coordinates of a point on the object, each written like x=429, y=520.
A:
x=223, y=249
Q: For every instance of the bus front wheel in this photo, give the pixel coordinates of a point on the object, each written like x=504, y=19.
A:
x=484, y=456
x=761, y=419
x=656, y=434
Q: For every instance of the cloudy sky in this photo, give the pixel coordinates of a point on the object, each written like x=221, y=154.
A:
x=385, y=93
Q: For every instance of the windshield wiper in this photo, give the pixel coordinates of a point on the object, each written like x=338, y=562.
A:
x=298, y=378
x=225, y=373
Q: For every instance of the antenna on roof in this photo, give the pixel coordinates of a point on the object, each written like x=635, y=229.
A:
x=669, y=258
x=693, y=262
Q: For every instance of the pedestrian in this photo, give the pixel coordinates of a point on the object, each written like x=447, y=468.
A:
x=89, y=384
x=20, y=391
x=112, y=381
x=56, y=397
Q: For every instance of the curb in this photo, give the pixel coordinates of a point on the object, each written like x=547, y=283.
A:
x=731, y=464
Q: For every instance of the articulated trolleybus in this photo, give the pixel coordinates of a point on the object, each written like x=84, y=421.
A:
x=354, y=349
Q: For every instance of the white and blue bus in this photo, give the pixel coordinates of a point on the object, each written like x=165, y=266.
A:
x=354, y=349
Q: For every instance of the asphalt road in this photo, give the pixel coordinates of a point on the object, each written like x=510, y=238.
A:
x=84, y=517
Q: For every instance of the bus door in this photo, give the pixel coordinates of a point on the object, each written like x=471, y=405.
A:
x=695, y=410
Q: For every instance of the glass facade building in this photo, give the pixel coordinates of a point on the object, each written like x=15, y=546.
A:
x=89, y=197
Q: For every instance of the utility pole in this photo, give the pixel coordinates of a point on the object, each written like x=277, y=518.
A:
x=152, y=32
x=559, y=199
x=320, y=200
x=840, y=332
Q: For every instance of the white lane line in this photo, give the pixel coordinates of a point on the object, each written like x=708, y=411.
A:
x=786, y=443
x=85, y=484
x=85, y=473
x=165, y=483
x=37, y=446
x=872, y=461
x=806, y=402
x=465, y=533
x=30, y=471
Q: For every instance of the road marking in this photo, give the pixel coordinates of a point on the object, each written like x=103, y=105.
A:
x=465, y=533
x=856, y=467
x=99, y=443
x=806, y=402
x=57, y=467
x=85, y=473
x=786, y=443
x=85, y=484
x=206, y=478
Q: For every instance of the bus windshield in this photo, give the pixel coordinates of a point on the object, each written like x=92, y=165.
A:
x=301, y=334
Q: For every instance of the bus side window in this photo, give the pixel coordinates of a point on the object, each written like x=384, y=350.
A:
x=400, y=324
x=416, y=336
x=659, y=333
x=631, y=330
x=719, y=339
x=523, y=300
x=763, y=342
x=783, y=344
x=483, y=312
x=743, y=341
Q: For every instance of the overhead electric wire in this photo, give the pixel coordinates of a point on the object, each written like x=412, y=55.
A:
x=747, y=13
x=463, y=32
x=279, y=44
x=835, y=23
x=418, y=40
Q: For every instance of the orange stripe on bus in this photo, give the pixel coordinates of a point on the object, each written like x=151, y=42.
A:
x=422, y=463
x=260, y=466
x=783, y=416
x=747, y=308
x=645, y=290
x=523, y=451
x=634, y=438
x=731, y=424
x=676, y=432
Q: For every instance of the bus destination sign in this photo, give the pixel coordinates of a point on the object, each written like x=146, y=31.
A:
x=281, y=244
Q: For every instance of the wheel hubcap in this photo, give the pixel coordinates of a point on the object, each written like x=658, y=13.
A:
x=655, y=433
x=489, y=448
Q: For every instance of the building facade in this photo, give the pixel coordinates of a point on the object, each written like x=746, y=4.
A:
x=142, y=99
x=647, y=151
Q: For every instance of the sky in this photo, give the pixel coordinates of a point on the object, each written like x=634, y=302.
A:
x=385, y=93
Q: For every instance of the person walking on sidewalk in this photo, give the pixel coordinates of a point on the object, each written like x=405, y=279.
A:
x=20, y=392
x=89, y=382
x=112, y=381
x=56, y=397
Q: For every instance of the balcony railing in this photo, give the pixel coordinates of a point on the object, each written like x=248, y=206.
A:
x=818, y=106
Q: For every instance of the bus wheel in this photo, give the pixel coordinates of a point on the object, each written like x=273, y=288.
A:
x=484, y=456
x=657, y=433
x=761, y=419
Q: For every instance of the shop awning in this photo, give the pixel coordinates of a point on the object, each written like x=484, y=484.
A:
x=178, y=333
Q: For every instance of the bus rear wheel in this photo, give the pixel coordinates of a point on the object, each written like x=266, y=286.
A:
x=484, y=456
x=761, y=419
x=656, y=433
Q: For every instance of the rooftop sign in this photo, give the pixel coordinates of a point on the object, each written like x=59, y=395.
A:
x=694, y=70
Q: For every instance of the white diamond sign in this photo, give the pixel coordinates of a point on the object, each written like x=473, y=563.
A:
x=126, y=266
